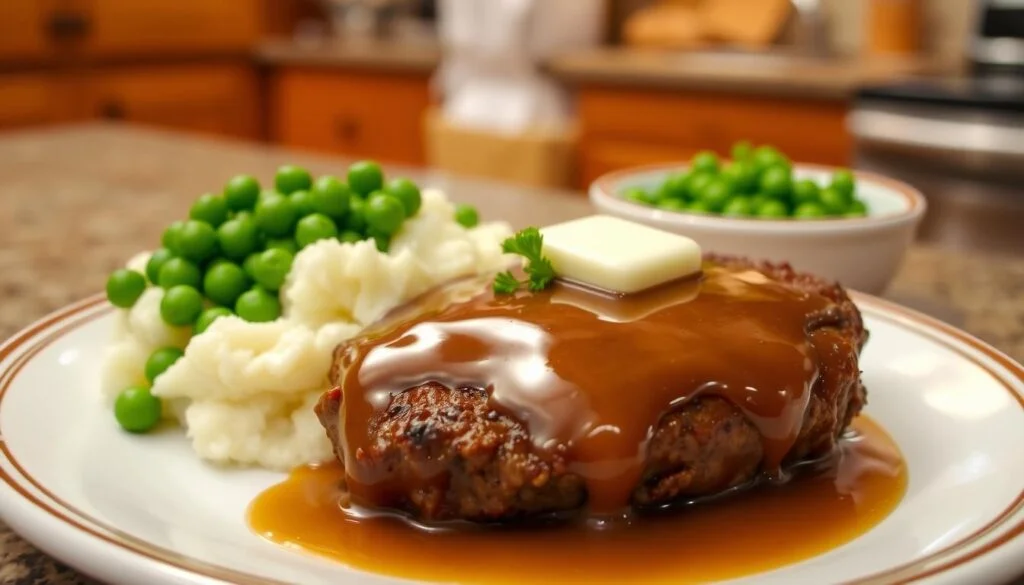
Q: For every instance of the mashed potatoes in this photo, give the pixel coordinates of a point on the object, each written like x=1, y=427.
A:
x=245, y=391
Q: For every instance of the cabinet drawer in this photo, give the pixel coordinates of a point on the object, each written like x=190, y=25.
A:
x=31, y=98
x=218, y=99
x=360, y=114
x=22, y=31
x=601, y=155
x=170, y=26
x=806, y=130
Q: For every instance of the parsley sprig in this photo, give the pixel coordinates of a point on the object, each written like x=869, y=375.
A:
x=528, y=244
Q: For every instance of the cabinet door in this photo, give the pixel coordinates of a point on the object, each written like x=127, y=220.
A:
x=218, y=99
x=132, y=27
x=28, y=99
x=811, y=131
x=360, y=114
x=602, y=155
x=23, y=29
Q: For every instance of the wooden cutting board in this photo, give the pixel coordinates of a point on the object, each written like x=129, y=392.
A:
x=746, y=22
x=691, y=24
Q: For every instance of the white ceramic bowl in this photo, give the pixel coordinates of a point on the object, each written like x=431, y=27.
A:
x=860, y=253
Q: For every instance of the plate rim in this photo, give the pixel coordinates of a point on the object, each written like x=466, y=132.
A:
x=39, y=335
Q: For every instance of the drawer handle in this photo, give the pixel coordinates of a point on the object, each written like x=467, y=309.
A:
x=347, y=129
x=67, y=26
x=112, y=110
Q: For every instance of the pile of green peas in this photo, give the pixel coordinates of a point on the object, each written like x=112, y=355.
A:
x=235, y=250
x=757, y=183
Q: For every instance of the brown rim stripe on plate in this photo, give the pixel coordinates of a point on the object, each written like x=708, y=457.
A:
x=897, y=314
x=117, y=537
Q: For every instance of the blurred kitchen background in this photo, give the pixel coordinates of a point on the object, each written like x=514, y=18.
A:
x=556, y=92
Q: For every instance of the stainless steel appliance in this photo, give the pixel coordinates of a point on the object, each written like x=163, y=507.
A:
x=960, y=140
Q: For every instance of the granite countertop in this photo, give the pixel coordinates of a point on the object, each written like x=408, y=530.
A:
x=756, y=74
x=76, y=202
x=409, y=56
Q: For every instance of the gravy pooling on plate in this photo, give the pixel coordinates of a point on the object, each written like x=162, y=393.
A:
x=825, y=506
x=590, y=374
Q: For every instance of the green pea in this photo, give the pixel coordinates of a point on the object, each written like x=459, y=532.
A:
x=738, y=207
x=809, y=210
x=155, y=262
x=356, y=218
x=670, y=204
x=160, y=360
x=767, y=156
x=314, y=227
x=290, y=178
x=303, y=201
x=331, y=197
x=742, y=151
x=276, y=215
x=698, y=207
x=124, y=287
x=181, y=305
x=640, y=195
x=697, y=182
x=466, y=215
x=249, y=264
x=137, y=410
x=365, y=177
x=197, y=240
x=777, y=182
x=407, y=193
x=256, y=305
x=771, y=209
x=742, y=175
x=384, y=213
x=833, y=202
x=857, y=209
x=224, y=283
x=241, y=192
x=350, y=237
x=170, y=237
x=207, y=317
x=213, y=209
x=179, y=271
x=677, y=186
x=381, y=240
x=238, y=237
x=705, y=161
x=805, y=191
x=286, y=244
x=843, y=181
x=716, y=194
x=271, y=267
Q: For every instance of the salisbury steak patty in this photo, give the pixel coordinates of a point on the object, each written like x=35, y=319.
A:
x=490, y=470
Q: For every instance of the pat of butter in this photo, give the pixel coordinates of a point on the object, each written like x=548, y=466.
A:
x=619, y=255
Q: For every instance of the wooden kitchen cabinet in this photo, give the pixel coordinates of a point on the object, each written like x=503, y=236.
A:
x=366, y=114
x=120, y=27
x=212, y=98
x=622, y=127
x=76, y=30
x=22, y=31
x=28, y=99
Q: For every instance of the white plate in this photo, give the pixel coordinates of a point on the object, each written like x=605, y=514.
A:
x=133, y=510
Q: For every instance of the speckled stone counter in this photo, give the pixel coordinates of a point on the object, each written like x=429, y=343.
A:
x=76, y=202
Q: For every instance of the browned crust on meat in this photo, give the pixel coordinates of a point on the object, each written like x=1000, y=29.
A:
x=489, y=470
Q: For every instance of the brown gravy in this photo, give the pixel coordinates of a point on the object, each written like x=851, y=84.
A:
x=755, y=531
x=591, y=374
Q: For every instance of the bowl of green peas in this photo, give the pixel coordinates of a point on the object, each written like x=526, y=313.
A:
x=849, y=226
